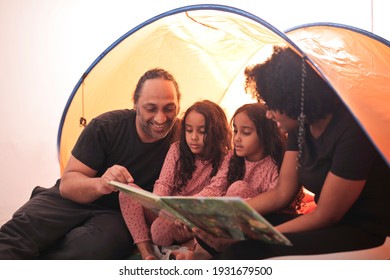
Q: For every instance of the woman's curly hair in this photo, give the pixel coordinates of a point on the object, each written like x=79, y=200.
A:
x=277, y=82
x=271, y=139
x=217, y=142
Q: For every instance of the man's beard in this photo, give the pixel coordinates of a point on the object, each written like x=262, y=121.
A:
x=147, y=127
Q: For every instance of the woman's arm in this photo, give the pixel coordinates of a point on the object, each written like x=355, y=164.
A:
x=337, y=197
x=266, y=202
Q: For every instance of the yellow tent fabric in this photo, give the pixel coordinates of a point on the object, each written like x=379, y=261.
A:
x=207, y=47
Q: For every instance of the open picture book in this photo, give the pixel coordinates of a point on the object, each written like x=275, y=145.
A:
x=227, y=217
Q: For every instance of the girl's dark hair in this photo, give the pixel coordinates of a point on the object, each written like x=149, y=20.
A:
x=271, y=139
x=217, y=142
x=278, y=82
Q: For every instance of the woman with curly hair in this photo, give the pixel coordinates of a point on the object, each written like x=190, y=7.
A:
x=329, y=154
x=189, y=169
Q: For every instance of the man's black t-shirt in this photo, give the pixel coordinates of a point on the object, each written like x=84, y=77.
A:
x=345, y=150
x=110, y=139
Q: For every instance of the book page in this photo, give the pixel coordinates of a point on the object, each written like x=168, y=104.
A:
x=229, y=217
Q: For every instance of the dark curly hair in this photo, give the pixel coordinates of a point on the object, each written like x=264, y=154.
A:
x=217, y=142
x=155, y=73
x=271, y=139
x=278, y=80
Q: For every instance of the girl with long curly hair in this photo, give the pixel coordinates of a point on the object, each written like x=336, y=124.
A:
x=259, y=147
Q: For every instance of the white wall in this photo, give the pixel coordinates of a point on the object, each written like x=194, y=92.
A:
x=46, y=45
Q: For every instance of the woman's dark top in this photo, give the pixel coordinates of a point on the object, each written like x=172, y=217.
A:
x=345, y=150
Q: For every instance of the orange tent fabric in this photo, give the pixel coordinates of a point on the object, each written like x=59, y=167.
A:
x=207, y=47
x=357, y=65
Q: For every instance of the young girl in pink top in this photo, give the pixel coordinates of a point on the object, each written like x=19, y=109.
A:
x=189, y=169
x=259, y=147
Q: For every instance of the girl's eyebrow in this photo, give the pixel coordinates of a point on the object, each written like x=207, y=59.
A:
x=189, y=125
x=245, y=127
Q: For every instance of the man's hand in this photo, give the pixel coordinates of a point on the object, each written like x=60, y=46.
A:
x=79, y=183
x=115, y=173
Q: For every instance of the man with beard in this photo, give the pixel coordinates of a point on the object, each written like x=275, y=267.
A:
x=79, y=217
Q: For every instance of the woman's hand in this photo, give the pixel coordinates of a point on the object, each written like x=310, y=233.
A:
x=217, y=243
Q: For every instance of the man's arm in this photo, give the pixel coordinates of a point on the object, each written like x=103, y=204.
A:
x=79, y=184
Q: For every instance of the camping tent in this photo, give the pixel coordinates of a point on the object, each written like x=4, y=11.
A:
x=207, y=47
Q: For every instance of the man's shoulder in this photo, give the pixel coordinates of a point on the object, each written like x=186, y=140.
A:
x=115, y=117
x=116, y=114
